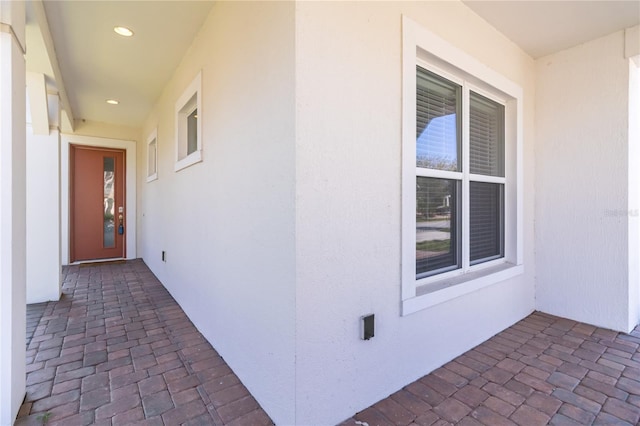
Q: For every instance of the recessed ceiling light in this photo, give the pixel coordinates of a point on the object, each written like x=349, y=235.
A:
x=123, y=31
x=113, y=102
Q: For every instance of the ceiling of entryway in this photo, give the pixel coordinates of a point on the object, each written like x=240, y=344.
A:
x=544, y=27
x=95, y=64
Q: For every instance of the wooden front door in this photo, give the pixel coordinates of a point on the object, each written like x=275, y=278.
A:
x=97, y=210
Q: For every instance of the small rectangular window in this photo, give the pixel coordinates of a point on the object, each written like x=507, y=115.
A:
x=152, y=156
x=192, y=132
x=189, y=126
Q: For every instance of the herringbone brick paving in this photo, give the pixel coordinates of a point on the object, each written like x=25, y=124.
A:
x=118, y=350
x=542, y=370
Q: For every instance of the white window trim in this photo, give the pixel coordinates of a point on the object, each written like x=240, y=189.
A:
x=150, y=139
x=421, y=47
x=194, y=88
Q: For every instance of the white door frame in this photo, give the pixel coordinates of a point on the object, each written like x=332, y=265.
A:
x=130, y=170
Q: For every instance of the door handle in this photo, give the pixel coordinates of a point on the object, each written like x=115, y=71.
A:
x=120, y=220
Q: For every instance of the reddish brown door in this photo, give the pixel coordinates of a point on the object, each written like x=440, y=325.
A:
x=97, y=211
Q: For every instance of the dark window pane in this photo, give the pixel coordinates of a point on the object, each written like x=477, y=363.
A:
x=438, y=122
x=437, y=242
x=486, y=212
x=486, y=136
x=192, y=132
x=152, y=158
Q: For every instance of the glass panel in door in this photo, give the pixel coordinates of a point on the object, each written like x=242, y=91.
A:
x=109, y=240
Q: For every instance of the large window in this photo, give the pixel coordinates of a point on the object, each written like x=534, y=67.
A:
x=461, y=172
x=447, y=186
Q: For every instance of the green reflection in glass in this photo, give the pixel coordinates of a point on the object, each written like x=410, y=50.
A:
x=437, y=244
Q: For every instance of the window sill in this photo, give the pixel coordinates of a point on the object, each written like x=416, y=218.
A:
x=191, y=159
x=448, y=289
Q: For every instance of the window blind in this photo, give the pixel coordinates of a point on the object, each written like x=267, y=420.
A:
x=437, y=122
x=437, y=242
x=486, y=214
x=486, y=136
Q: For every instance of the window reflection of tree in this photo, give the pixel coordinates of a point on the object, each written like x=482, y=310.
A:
x=109, y=208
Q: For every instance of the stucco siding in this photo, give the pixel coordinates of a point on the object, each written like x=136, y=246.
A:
x=582, y=183
x=348, y=206
x=227, y=224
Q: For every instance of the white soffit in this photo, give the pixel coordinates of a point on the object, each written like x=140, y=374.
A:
x=97, y=64
x=544, y=27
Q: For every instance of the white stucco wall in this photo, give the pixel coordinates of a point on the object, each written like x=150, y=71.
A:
x=348, y=206
x=289, y=229
x=101, y=130
x=584, y=210
x=227, y=223
x=43, y=210
x=634, y=185
x=12, y=210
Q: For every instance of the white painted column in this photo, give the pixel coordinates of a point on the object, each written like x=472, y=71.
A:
x=12, y=210
x=632, y=53
x=43, y=193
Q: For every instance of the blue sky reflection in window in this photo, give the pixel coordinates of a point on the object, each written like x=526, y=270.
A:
x=436, y=146
x=438, y=120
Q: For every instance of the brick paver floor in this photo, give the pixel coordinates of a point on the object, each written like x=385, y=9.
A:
x=542, y=370
x=118, y=350
x=34, y=313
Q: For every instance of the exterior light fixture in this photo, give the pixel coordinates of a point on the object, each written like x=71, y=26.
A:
x=123, y=31
x=113, y=101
